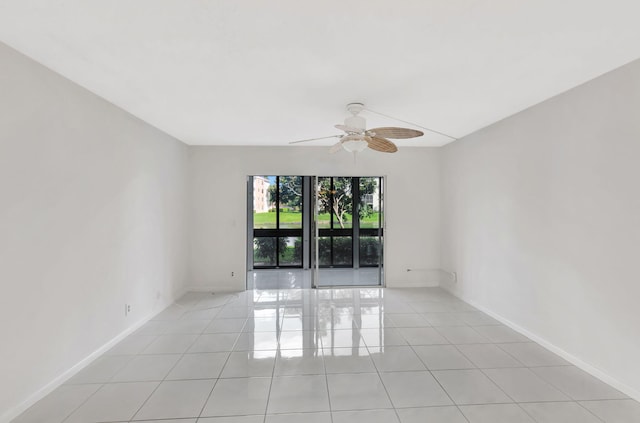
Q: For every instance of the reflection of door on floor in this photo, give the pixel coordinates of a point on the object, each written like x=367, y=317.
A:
x=343, y=231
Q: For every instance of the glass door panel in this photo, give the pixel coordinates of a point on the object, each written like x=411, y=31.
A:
x=324, y=251
x=290, y=251
x=264, y=212
x=323, y=202
x=341, y=203
x=277, y=221
x=264, y=251
x=370, y=222
x=369, y=251
x=349, y=229
x=369, y=210
x=290, y=202
x=343, y=251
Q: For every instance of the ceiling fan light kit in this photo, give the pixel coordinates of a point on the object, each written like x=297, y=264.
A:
x=357, y=137
x=354, y=143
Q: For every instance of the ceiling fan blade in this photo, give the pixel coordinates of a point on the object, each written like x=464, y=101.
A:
x=315, y=139
x=383, y=145
x=346, y=128
x=335, y=147
x=396, y=133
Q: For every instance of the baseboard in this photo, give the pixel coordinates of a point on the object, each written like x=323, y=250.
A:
x=592, y=370
x=61, y=379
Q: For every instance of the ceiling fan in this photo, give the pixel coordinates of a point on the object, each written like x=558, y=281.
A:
x=356, y=137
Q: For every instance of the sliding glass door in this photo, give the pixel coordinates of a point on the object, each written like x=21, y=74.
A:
x=335, y=222
x=349, y=230
x=370, y=222
x=332, y=225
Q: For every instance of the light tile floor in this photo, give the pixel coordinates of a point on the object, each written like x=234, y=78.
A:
x=330, y=356
x=301, y=279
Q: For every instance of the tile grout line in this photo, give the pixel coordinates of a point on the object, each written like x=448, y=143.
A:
x=273, y=371
x=102, y=384
x=133, y=358
x=81, y=404
x=433, y=376
x=111, y=378
x=204, y=405
x=176, y=363
x=425, y=364
x=326, y=380
x=504, y=392
x=589, y=411
x=395, y=410
x=221, y=368
x=476, y=368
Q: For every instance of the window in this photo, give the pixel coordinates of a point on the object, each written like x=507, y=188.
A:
x=277, y=221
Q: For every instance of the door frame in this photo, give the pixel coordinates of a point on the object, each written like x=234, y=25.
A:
x=355, y=255
x=310, y=230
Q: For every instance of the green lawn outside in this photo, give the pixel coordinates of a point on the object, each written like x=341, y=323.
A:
x=293, y=219
x=268, y=220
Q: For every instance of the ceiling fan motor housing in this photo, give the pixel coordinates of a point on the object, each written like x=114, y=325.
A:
x=356, y=122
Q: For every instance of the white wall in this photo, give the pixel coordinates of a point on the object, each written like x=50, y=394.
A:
x=92, y=216
x=541, y=220
x=219, y=206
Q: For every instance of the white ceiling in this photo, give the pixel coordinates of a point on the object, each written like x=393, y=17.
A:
x=260, y=72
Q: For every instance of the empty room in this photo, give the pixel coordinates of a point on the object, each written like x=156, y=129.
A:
x=218, y=211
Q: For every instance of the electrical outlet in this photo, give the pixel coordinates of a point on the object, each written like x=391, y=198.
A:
x=233, y=274
x=127, y=309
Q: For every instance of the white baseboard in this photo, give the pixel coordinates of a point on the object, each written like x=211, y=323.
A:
x=592, y=370
x=59, y=380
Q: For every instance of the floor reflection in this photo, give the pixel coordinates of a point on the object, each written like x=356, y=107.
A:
x=272, y=352
x=313, y=319
x=301, y=279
